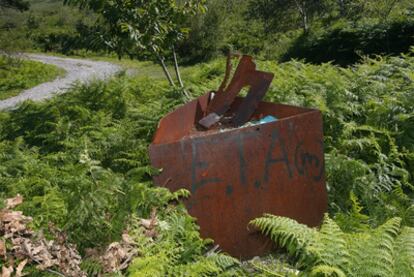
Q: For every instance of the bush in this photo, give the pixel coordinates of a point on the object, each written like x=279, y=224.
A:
x=346, y=45
x=206, y=36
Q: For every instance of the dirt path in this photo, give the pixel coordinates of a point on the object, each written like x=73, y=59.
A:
x=77, y=70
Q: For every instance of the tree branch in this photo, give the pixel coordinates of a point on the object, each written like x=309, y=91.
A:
x=164, y=66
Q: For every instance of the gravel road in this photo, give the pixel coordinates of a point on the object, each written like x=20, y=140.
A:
x=77, y=70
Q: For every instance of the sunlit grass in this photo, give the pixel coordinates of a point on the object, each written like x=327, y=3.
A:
x=17, y=75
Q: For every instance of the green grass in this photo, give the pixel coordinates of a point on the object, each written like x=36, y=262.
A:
x=139, y=69
x=17, y=75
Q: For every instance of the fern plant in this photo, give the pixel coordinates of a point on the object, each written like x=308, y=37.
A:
x=178, y=251
x=385, y=251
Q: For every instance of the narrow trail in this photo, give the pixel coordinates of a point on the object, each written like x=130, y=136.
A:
x=77, y=70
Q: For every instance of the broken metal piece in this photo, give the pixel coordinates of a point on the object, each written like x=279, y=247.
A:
x=245, y=75
x=209, y=120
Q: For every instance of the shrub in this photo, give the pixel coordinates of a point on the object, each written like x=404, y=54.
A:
x=345, y=45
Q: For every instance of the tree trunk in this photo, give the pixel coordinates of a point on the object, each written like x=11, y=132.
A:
x=342, y=8
x=301, y=5
x=166, y=72
x=164, y=67
x=305, y=23
x=177, y=70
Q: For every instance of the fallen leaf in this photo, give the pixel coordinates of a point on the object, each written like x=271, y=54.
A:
x=2, y=248
x=119, y=255
x=13, y=202
x=11, y=216
x=127, y=239
x=20, y=267
x=6, y=271
x=146, y=223
x=152, y=233
x=32, y=247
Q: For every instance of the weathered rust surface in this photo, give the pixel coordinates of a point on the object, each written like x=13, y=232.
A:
x=245, y=75
x=238, y=174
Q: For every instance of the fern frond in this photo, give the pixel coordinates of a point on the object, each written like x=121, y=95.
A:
x=223, y=261
x=371, y=253
x=286, y=232
x=154, y=265
x=408, y=216
x=326, y=270
x=181, y=193
x=385, y=251
x=201, y=268
x=404, y=253
x=329, y=245
x=272, y=266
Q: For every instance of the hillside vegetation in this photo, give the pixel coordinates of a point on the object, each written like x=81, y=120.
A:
x=76, y=190
x=336, y=30
x=47, y=25
x=80, y=161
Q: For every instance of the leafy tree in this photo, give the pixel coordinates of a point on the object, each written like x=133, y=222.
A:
x=207, y=33
x=305, y=8
x=380, y=9
x=19, y=5
x=276, y=12
x=151, y=25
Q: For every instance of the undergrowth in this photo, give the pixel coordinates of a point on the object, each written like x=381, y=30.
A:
x=344, y=44
x=80, y=161
x=385, y=251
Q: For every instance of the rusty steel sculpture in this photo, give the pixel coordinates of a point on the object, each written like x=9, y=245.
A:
x=237, y=171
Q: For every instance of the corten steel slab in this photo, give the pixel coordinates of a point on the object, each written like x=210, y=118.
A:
x=238, y=174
